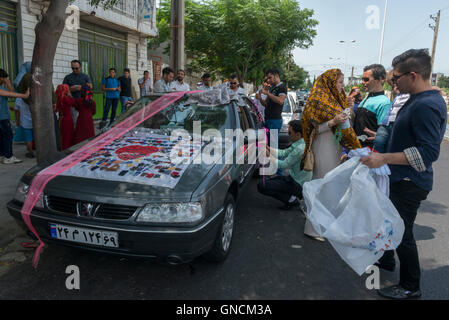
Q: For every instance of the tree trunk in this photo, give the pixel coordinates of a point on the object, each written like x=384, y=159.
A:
x=240, y=76
x=48, y=31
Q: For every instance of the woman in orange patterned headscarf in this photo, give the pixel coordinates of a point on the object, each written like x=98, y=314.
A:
x=325, y=111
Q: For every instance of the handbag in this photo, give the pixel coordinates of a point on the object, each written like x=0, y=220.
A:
x=309, y=159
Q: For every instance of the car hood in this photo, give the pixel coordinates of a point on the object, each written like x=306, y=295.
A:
x=126, y=193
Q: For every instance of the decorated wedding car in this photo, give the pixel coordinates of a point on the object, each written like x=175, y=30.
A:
x=141, y=190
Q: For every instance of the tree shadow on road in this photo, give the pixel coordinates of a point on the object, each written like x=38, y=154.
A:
x=423, y=232
x=433, y=207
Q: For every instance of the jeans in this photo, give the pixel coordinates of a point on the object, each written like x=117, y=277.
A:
x=5, y=139
x=123, y=101
x=382, y=136
x=273, y=124
x=107, y=106
x=280, y=188
x=406, y=197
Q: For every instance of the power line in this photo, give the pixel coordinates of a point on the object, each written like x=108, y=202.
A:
x=422, y=24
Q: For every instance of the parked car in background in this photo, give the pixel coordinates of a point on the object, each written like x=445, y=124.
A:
x=290, y=111
x=130, y=199
x=302, y=96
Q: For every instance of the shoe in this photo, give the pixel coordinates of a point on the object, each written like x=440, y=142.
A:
x=290, y=205
x=399, y=293
x=102, y=124
x=29, y=155
x=302, y=207
x=11, y=160
x=385, y=266
x=317, y=238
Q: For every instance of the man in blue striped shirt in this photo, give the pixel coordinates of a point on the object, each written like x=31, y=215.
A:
x=413, y=146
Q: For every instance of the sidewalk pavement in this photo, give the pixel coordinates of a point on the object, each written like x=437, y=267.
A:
x=11, y=235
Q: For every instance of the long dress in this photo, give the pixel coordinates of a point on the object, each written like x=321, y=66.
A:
x=66, y=122
x=85, y=124
x=327, y=157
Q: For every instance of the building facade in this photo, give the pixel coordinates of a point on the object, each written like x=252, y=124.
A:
x=435, y=78
x=99, y=38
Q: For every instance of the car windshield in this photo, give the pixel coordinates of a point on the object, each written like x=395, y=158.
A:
x=286, y=107
x=181, y=115
x=139, y=104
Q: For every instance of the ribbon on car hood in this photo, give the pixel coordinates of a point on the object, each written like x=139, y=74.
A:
x=42, y=178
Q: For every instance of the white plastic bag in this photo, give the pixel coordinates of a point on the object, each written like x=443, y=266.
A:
x=347, y=208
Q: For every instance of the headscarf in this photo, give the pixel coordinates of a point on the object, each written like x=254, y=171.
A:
x=324, y=103
x=86, y=95
x=62, y=91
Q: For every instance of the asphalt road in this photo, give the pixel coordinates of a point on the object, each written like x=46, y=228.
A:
x=270, y=259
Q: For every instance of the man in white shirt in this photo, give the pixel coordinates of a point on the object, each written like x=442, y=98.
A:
x=179, y=84
x=206, y=83
x=234, y=86
x=163, y=85
x=144, y=84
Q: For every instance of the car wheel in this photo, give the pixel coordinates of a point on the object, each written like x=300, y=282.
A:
x=223, y=241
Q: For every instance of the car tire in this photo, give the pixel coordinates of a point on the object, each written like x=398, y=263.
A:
x=223, y=241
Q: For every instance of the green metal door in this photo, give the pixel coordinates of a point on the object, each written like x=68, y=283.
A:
x=99, y=50
x=8, y=38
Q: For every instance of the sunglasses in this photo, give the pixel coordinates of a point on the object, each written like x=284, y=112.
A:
x=234, y=83
x=396, y=78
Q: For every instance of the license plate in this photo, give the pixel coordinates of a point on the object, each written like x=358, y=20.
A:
x=82, y=235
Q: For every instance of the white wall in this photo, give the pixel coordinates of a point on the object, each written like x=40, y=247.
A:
x=118, y=17
x=66, y=51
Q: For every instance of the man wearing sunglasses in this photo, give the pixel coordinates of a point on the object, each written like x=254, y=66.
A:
x=413, y=146
x=234, y=86
x=76, y=80
x=382, y=135
x=374, y=108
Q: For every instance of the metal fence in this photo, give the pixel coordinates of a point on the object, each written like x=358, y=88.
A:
x=8, y=38
x=101, y=49
x=127, y=7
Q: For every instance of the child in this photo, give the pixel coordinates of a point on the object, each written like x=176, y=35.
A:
x=111, y=85
x=6, y=137
x=64, y=102
x=24, y=123
x=85, y=123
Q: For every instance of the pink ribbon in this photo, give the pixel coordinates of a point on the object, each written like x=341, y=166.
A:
x=43, y=177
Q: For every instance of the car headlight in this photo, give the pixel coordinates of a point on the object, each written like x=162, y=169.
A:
x=171, y=212
x=22, y=193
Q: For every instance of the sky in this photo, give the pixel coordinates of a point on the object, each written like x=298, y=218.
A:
x=407, y=27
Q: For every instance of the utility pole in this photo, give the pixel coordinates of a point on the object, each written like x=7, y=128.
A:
x=383, y=33
x=352, y=77
x=435, y=28
x=177, y=34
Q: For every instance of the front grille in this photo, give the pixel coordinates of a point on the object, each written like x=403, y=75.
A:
x=62, y=205
x=112, y=211
x=100, y=210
